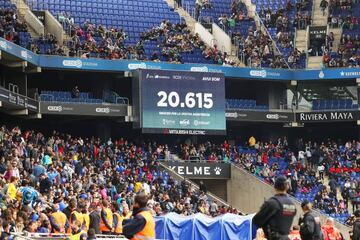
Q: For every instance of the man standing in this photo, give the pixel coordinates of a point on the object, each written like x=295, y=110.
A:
x=106, y=223
x=276, y=214
x=310, y=228
x=142, y=225
x=95, y=218
x=356, y=226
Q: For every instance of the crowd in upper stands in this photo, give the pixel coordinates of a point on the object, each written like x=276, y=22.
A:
x=55, y=183
x=10, y=26
x=307, y=169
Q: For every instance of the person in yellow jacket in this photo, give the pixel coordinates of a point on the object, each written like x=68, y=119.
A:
x=106, y=221
x=252, y=141
x=85, y=218
x=142, y=224
x=77, y=232
x=12, y=190
x=295, y=233
x=58, y=220
x=119, y=217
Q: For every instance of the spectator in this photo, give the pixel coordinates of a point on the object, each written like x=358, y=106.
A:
x=323, y=5
x=75, y=93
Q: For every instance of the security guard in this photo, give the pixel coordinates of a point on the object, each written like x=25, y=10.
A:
x=77, y=232
x=119, y=216
x=276, y=214
x=310, y=228
x=106, y=223
x=58, y=220
x=142, y=225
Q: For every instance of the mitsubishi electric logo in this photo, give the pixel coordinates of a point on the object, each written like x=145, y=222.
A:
x=73, y=63
x=321, y=74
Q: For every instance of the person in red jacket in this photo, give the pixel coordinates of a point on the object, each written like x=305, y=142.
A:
x=330, y=232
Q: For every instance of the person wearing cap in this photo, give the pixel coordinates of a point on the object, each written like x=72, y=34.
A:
x=329, y=231
x=310, y=228
x=356, y=226
x=142, y=225
x=276, y=214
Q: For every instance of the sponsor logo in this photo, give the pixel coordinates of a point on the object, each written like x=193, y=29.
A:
x=3, y=45
x=177, y=77
x=272, y=116
x=12, y=98
x=168, y=122
x=73, y=63
x=201, y=123
x=258, y=73
x=231, y=114
x=211, y=79
x=217, y=171
x=24, y=54
x=199, y=69
x=102, y=110
x=133, y=66
x=349, y=74
x=185, y=122
x=336, y=116
x=321, y=74
x=55, y=108
x=149, y=76
x=188, y=170
x=162, y=77
x=185, y=132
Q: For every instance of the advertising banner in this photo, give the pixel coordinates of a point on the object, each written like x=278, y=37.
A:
x=40, y=15
x=59, y=108
x=201, y=170
x=259, y=116
x=176, y=102
x=18, y=101
x=329, y=116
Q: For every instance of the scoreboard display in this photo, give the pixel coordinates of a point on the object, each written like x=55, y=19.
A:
x=179, y=102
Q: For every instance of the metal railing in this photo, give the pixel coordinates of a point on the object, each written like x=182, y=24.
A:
x=263, y=27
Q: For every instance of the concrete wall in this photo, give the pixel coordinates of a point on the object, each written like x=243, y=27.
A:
x=248, y=193
x=54, y=27
x=204, y=34
x=33, y=22
x=215, y=186
x=223, y=40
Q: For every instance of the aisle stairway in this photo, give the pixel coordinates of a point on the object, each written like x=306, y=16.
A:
x=190, y=21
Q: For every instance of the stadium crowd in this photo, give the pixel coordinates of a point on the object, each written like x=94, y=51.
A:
x=327, y=173
x=66, y=184
x=10, y=26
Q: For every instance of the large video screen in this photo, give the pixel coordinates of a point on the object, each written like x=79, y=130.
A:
x=179, y=102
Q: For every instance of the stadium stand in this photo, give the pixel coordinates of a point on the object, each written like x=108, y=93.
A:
x=75, y=166
x=245, y=104
x=11, y=28
x=334, y=104
x=267, y=160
